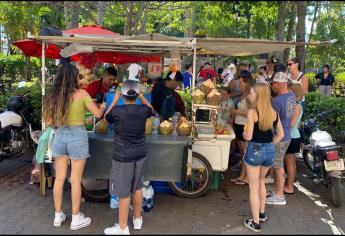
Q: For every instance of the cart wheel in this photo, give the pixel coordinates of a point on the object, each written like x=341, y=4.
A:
x=198, y=183
x=95, y=190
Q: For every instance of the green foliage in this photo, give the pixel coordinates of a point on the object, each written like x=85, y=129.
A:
x=340, y=78
x=312, y=81
x=13, y=67
x=334, y=122
x=187, y=98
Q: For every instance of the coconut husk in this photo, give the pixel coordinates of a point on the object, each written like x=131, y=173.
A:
x=101, y=127
x=198, y=96
x=165, y=128
x=207, y=86
x=184, y=129
x=214, y=98
x=149, y=126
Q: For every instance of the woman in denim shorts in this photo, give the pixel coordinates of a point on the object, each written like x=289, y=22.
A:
x=65, y=109
x=260, y=153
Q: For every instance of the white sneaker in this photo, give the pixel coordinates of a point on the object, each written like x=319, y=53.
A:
x=80, y=221
x=275, y=200
x=116, y=230
x=59, y=219
x=138, y=223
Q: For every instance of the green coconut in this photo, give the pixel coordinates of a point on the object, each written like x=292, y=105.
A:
x=101, y=127
x=165, y=128
x=149, y=126
x=198, y=96
x=207, y=86
x=184, y=129
x=214, y=98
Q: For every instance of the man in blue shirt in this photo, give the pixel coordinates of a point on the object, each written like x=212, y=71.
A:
x=187, y=76
x=284, y=104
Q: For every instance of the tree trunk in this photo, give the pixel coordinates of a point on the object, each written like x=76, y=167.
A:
x=75, y=15
x=101, y=5
x=129, y=19
x=65, y=12
x=189, y=31
x=281, y=26
x=316, y=16
x=300, y=32
x=144, y=22
x=291, y=29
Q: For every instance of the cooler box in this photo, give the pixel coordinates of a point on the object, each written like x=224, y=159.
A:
x=109, y=97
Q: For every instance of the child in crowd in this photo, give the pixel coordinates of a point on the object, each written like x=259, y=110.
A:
x=295, y=144
x=129, y=155
x=225, y=117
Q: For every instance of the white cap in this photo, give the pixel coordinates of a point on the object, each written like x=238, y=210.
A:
x=280, y=77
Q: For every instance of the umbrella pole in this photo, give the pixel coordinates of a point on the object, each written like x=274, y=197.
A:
x=43, y=80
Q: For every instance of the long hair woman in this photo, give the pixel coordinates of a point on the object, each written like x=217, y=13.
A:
x=260, y=153
x=64, y=109
x=240, y=114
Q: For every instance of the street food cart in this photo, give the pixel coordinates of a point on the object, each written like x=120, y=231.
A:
x=186, y=162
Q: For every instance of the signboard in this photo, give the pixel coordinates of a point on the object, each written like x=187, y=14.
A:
x=154, y=69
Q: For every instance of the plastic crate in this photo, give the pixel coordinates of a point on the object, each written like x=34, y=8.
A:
x=161, y=187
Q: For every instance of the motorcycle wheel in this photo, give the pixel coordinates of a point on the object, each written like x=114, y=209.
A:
x=95, y=190
x=198, y=183
x=336, y=191
x=17, y=137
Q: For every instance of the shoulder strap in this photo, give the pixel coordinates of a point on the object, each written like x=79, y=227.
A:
x=300, y=76
x=100, y=86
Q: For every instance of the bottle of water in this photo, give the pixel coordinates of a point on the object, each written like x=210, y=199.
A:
x=114, y=201
x=174, y=124
x=148, y=193
x=156, y=123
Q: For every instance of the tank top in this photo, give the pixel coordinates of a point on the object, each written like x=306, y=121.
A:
x=242, y=106
x=297, y=81
x=76, y=112
x=294, y=130
x=260, y=136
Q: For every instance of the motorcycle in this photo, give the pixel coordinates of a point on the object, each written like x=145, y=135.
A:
x=15, y=131
x=324, y=158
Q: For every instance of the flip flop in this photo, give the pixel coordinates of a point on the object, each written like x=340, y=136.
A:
x=289, y=193
x=234, y=180
x=240, y=182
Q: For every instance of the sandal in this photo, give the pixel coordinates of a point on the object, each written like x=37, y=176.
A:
x=240, y=182
x=234, y=180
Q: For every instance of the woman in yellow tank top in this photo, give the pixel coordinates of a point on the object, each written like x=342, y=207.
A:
x=65, y=108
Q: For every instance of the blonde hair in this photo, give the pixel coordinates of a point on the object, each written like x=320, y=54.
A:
x=262, y=104
x=297, y=89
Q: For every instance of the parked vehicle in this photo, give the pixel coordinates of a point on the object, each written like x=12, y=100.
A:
x=14, y=128
x=324, y=158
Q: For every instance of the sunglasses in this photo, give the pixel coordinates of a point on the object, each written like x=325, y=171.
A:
x=290, y=64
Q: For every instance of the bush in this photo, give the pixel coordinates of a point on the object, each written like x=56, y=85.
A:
x=312, y=81
x=340, y=78
x=334, y=122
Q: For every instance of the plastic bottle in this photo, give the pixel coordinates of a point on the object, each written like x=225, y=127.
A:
x=156, y=123
x=174, y=124
x=114, y=201
x=148, y=193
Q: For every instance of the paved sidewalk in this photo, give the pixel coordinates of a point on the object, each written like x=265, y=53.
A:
x=221, y=211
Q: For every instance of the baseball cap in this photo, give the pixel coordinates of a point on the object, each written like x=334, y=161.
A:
x=130, y=89
x=280, y=77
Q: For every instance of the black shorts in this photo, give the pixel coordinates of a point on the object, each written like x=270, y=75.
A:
x=295, y=146
x=238, y=129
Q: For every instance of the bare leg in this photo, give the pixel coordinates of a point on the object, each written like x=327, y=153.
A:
x=290, y=161
x=61, y=167
x=76, y=175
x=262, y=188
x=279, y=181
x=137, y=204
x=243, y=145
x=253, y=173
x=123, y=211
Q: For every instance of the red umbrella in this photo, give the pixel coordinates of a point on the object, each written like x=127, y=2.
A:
x=34, y=48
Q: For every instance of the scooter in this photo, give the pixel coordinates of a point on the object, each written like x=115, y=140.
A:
x=324, y=158
x=14, y=128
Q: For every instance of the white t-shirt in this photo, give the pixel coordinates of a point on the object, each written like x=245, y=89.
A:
x=242, y=106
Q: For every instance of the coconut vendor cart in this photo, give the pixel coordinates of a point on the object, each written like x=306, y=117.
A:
x=187, y=163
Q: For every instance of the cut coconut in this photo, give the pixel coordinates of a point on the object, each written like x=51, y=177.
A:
x=207, y=86
x=214, y=98
x=198, y=96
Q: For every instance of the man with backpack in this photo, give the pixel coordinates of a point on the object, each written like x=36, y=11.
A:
x=165, y=100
